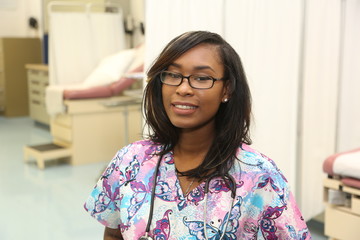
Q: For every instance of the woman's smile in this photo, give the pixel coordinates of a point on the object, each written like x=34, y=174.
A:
x=183, y=108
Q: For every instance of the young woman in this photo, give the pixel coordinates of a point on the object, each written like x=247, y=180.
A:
x=196, y=177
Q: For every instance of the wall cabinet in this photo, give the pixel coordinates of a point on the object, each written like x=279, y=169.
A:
x=14, y=54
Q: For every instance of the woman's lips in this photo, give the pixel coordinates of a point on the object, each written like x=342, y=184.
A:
x=184, y=108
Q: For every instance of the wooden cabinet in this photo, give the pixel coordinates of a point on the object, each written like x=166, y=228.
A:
x=38, y=80
x=91, y=130
x=342, y=212
x=96, y=128
x=14, y=54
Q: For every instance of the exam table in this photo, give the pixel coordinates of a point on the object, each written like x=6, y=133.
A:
x=342, y=195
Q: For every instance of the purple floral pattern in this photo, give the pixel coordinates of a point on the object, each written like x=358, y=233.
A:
x=263, y=208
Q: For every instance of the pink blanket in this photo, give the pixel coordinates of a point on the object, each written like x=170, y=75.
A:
x=346, y=165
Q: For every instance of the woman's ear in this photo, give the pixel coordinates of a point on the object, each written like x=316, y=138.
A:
x=226, y=95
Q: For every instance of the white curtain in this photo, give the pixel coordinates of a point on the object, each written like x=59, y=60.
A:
x=107, y=34
x=167, y=19
x=70, y=57
x=291, y=54
x=317, y=131
x=78, y=41
x=267, y=36
x=349, y=108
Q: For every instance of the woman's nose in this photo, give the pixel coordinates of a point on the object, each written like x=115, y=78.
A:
x=184, y=88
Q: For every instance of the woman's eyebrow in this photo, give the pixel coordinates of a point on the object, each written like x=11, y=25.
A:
x=203, y=67
x=195, y=68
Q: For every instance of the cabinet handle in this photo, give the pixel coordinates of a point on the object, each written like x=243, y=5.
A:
x=35, y=92
x=35, y=102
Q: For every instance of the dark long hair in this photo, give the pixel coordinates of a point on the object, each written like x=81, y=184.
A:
x=232, y=121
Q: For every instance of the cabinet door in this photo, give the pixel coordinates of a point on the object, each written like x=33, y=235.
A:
x=18, y=52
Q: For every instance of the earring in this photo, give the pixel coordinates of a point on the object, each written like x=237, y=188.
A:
x=225, y=100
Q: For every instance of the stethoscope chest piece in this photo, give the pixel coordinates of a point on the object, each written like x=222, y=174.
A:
x=145, y=238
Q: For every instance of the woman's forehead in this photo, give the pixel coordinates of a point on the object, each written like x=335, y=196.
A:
x=200, y=57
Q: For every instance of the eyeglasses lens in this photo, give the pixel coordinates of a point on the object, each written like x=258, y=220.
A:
x=195, y=81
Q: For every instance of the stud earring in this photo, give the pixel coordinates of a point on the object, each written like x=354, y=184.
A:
x=225, y=100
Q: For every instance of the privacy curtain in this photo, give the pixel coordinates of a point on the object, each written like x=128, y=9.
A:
x=290, y=51
x=267, y=36
x=319, y=94
x=349, y=94
x=79, y=40
x=167, y=19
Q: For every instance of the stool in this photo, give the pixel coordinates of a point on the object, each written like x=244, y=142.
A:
x=45, y=152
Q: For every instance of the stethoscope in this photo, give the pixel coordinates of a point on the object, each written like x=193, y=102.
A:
x=226, y=178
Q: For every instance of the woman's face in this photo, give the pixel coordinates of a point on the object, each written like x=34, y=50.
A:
x=189, y=108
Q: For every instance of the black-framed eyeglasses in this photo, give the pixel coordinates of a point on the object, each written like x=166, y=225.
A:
x=195, y=81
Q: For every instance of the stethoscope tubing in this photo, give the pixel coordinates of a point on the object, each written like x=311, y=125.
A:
x=206, y=191
x=147, y=230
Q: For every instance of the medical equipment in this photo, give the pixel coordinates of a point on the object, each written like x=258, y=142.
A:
x=227, y=177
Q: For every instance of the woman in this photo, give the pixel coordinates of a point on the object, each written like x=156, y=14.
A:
x=196, y=177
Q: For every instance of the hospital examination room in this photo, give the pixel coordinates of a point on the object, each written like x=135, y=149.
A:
x=72, y=75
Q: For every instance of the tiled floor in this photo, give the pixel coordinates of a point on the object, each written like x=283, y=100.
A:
x=40, y=204
x=47, y=204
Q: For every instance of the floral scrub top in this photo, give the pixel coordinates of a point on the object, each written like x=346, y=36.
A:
x=263, y=207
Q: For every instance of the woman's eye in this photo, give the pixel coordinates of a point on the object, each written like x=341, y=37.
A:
x=174, y=75
x=201, y=78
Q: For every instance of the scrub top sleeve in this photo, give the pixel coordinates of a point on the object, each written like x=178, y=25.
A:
x=282, y=219
x=104, y=201
x=293, y=222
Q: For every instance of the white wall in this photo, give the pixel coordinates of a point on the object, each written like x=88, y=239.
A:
x=14, y=20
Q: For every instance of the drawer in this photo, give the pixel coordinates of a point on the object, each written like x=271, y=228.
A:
x=38, y=111
x=41, y=76
x=61, y=132
x=355, y=204
x=35, y=84
x=36, y=94
x=341, y=224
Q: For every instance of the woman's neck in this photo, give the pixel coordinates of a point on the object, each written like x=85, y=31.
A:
x=192, y=148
